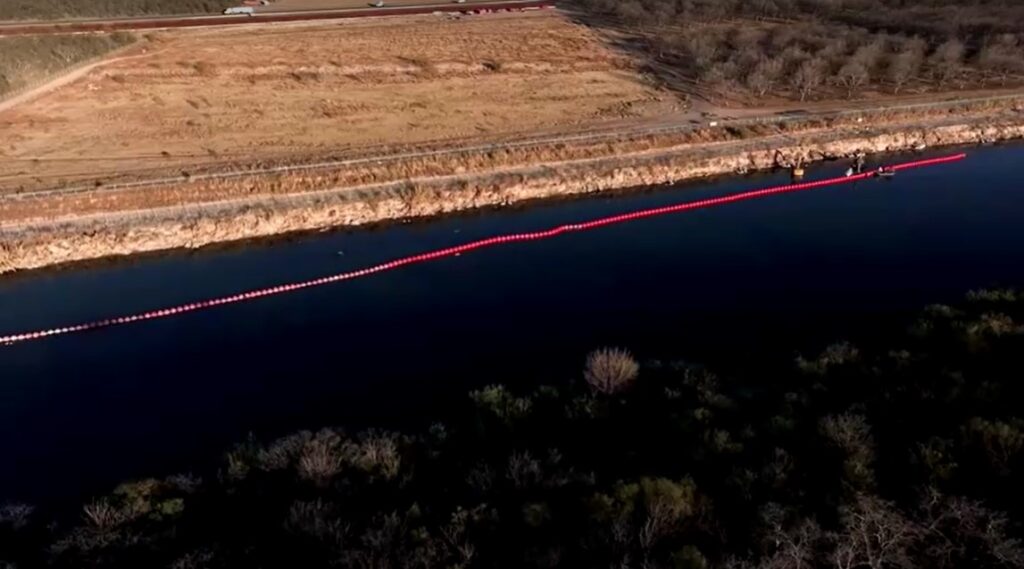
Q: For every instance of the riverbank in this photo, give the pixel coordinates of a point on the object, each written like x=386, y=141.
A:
x=61, y=229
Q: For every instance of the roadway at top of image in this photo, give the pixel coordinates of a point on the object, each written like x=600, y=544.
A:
x=296, y=11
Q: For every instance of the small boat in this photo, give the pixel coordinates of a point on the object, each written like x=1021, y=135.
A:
x=886, y=173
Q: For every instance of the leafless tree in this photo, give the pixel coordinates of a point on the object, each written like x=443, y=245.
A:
x=844, y=552
x=852, y=76
x=870, y=54
x=903, y=68
x=808, y=76
x=947, y=61
x=793, y=546
x=764, y=76
x=1002, y=57
x=876, y=535
x=702, y=50
x=852, y=434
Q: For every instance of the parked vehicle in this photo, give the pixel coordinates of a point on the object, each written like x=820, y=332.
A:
x=240, y=11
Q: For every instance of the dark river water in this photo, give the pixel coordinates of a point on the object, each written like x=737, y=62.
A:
x=724, y=285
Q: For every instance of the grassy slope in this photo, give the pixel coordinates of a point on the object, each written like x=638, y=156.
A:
x=67, y=9
x=28, y=59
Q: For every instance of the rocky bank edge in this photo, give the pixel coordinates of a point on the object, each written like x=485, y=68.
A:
x=119, y=234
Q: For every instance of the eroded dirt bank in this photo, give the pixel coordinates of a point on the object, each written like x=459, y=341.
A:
x=43, y=243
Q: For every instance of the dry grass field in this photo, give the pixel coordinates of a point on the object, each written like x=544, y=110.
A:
x=188, y=98
x=71, y=9
x=25, y=60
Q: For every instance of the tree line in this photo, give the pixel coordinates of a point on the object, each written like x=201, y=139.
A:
x=826, y=48
x=904, y=453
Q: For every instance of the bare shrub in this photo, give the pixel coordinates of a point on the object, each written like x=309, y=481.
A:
x=185, y=483
x=201, y=559
x=610, y=370
x=1001, y=442
x=480, y=477
x=321, y=457
x=524, y=470
x=839, y=354
x=377, y=452
x=15, y=515
x=283, y=452
x=104, y=516
x=319, y=520
x=497, y=400
x=205, y=68
x=852, y=434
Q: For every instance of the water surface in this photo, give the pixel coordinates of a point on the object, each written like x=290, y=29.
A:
x=723, y=285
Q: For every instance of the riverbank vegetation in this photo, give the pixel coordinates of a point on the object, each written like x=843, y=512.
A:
x=821, y=49
x=64, y=10
x=27, y=60
x=906, y=454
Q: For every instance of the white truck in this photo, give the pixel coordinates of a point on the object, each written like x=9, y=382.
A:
x=240, y=11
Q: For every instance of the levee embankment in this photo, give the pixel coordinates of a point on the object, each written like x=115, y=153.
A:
x=58, y=229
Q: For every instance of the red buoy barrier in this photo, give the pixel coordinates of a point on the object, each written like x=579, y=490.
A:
x=458, y=249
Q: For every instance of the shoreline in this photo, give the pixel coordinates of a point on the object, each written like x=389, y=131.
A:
x=234, y=222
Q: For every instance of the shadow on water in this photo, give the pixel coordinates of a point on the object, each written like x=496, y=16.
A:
x=725, y=286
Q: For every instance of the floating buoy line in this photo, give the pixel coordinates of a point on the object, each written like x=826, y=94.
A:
x=460, y=249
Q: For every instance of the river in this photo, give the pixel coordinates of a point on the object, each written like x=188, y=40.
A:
x=725, y=285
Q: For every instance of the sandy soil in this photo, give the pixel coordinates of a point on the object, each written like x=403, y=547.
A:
x=192, y=97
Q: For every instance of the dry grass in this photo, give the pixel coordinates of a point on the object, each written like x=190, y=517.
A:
x=614, y=152
x=25, y=60
x=311, y=89
x=64, y=9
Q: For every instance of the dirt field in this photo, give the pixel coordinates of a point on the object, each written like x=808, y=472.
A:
x=186, y=98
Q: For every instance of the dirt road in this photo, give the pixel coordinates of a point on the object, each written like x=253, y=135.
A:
x=267, y=16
